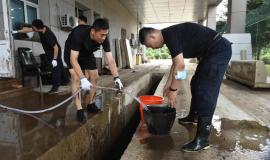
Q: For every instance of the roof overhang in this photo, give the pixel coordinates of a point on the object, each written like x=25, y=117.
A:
x=169, y=11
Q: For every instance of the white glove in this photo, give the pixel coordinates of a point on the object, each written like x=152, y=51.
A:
x=85, y=84
x=14, y=32
x=118, y=83
x=54, y=63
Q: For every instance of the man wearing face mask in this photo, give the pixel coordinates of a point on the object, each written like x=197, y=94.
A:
x=52, y=50
x=190, y=40
x=79, y=48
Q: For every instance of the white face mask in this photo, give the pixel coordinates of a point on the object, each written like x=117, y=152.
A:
x=30, y=34
x=181, y=75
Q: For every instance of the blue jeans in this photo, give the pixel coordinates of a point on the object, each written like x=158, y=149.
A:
x=206, y=81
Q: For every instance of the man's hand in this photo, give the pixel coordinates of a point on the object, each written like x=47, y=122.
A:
x=171, y=98
x=118, y=83
x=85, y=84
x=166, y=90
x=54, y=63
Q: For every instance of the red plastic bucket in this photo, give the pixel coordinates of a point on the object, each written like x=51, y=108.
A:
x=147, y=100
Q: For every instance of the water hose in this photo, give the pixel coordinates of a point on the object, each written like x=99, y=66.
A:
x=66, y=100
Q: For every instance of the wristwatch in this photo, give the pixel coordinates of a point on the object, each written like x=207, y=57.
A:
x=171, y=89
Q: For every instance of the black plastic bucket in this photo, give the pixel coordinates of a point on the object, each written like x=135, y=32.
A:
x=159, y=118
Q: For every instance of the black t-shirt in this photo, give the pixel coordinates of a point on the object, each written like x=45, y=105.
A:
x=48, y=40
x=79, y=40
x=191, y=39
x=68, y=42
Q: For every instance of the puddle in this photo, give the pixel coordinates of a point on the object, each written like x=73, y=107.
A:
x=234, y=134
x=229, y=139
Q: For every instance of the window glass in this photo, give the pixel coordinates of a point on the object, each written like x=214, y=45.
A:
x=31, y=14
x=16, y=13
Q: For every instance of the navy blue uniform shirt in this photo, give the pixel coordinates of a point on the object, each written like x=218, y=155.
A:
x=191, y=39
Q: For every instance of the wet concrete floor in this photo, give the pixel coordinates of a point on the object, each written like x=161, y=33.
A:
x=29, y=136
x=26, y=137
x=240, y=128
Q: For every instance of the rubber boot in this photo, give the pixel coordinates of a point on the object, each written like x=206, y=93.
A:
x=80, y=116
x=92, y=108
x=191, y=118
x=201, y=140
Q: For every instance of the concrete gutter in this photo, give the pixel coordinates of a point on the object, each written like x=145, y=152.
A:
x=93, y=139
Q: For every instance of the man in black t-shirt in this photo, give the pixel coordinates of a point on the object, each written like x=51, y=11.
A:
x=52, y=50
x=82, y=20
x=78, y=54
x=190, y=40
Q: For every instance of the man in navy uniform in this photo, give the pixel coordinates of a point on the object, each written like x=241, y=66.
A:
x=190, y=40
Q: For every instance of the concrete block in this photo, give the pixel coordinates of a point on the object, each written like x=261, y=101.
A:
x=249, y=72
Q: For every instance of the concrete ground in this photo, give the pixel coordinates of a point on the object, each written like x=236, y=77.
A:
x=57, y=134
x=240, y=127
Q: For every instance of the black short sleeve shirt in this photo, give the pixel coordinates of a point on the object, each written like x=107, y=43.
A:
x=79, y=40
x=48, y=41
x=191, y=39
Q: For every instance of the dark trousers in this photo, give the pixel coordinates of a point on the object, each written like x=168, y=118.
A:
x=205, y=83
x=56, y=73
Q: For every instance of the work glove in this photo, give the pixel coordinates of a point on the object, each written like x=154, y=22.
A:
x=14, y=32
x=85, y=84
x=118, y=83
x=54, y=63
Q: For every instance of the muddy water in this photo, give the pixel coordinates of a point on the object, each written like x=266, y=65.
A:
x=230, y=139
x=27, y=137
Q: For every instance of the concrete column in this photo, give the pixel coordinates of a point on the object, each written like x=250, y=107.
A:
x=237, y=16
x=202, y=22
x=2, y=27
x=211, y=17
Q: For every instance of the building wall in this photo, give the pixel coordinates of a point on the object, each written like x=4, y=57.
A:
x=51, y=10
x=2, y=29
x=241, y=42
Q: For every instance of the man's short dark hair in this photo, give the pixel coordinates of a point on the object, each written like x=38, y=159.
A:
x=144, y=32
x=38, y=24
x=100, y=24
x=83, y=18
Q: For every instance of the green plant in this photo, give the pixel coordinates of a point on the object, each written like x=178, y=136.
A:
x=164, y=55
x=157, y=55
x=265, y=54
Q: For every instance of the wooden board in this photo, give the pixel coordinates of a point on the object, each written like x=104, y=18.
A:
x=129, y=54
x=126, y=53
x=123, y=53
x=118, y=54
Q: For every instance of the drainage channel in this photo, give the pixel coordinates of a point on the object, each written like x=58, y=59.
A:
x=120, y=145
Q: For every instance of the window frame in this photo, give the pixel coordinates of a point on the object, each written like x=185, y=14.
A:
x=30, y=4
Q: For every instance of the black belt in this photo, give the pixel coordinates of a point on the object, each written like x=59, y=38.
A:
x=217, y=37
